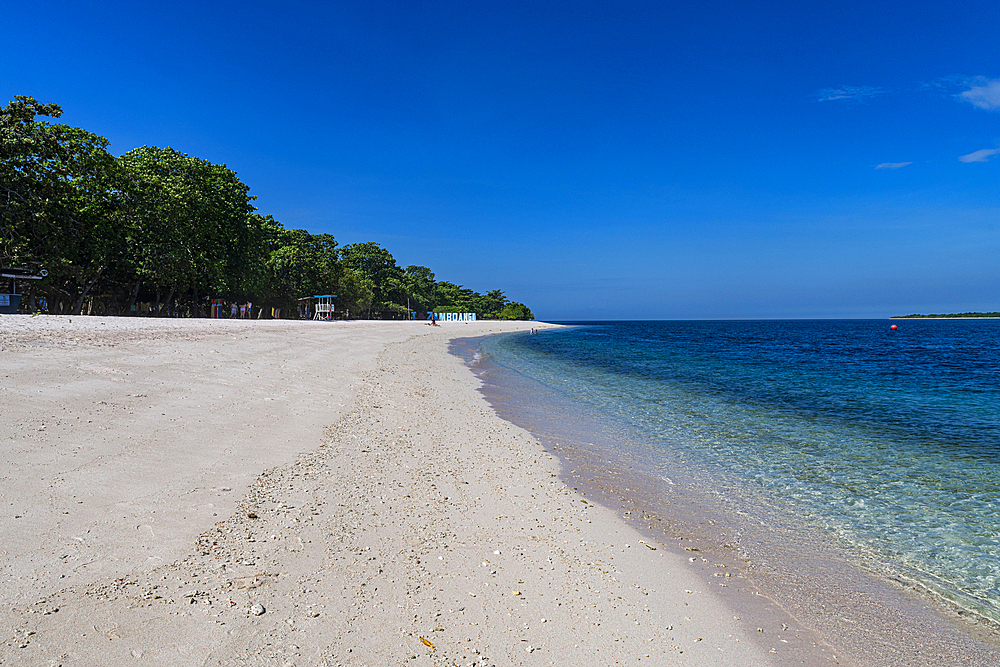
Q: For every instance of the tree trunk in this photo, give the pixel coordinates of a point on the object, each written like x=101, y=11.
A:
x=197, y=306
x=79, y=302
x=131, y=302
x=166, y=302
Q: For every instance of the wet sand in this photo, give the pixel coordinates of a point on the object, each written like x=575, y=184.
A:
x=798, y=586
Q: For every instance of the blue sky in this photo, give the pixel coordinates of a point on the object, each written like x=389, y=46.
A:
x=594, y=160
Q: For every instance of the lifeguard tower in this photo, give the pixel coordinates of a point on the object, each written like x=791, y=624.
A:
x=324, y=307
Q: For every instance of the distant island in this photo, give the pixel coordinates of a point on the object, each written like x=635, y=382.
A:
x=950, y=316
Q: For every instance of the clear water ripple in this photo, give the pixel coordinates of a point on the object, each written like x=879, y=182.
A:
x=890, y=440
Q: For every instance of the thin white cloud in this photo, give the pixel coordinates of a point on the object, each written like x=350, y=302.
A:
x=980, y=155
x=947, y=84
x=893, y=165
x=983, y=93
x=853, y=94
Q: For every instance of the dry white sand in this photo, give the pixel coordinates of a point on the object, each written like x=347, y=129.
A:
x=192, y=492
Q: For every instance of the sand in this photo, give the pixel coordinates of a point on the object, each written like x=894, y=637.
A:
x=193, y=492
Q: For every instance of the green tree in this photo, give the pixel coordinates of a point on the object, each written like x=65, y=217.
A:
x=355, y=291
x=492, y=303
x=265, y=236
x=57, y=194
x=187, y=222
x=372, y=266
x=452, y=298
x=420, y=288
x=516, y=311
x=302, y=264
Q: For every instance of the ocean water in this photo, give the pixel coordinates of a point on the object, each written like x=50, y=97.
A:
x=887, y=442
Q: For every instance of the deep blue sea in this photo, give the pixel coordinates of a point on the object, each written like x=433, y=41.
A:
x=886, y=441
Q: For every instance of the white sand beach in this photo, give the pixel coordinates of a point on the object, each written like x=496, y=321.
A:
x=195, y=492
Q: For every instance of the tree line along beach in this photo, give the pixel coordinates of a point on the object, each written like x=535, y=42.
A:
x=159, y=232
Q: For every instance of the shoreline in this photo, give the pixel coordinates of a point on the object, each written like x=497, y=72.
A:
x=786, y=569
x=365, y=508
x=419, y=528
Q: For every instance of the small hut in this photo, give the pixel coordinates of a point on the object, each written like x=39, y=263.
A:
x=9, y=301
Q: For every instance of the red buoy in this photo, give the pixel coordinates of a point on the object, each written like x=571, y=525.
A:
x=893, y=327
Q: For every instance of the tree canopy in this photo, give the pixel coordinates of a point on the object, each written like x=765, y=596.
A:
x=159, y=225
x=59, y=193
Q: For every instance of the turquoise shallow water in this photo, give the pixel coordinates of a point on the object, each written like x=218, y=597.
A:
x=887, y=441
